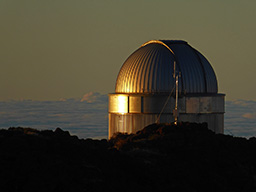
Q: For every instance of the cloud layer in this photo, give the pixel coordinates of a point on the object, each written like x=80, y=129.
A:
x=88, y=116
x=84, y=117
x=240, y=118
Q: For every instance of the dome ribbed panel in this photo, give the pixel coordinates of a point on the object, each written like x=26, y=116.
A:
x=150, y=69
x=212, y=85
x=192, y=72
x=147, y=70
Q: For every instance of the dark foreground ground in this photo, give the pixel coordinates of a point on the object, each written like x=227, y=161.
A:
x=161, y=157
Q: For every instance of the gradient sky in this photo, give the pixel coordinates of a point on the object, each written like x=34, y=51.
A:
x=52, y=49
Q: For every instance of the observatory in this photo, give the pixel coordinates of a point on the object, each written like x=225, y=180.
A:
x=152, y=77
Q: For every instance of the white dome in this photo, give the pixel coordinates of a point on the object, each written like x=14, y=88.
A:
x=150, y=69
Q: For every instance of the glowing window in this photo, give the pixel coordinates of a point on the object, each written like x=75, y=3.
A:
x=122, y=104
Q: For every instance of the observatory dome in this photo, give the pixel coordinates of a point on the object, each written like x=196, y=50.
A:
x=150, y=69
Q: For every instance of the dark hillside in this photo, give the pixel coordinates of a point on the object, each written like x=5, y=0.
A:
x=187, y=157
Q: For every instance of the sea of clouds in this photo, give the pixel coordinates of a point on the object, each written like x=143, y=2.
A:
x=87, y=117
x=240, y=118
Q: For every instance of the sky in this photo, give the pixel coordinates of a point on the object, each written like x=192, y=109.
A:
x=53, y=49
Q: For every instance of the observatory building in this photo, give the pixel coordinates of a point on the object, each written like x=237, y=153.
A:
x=152, y=77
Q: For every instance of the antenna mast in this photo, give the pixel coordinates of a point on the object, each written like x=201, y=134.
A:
x=176, y=78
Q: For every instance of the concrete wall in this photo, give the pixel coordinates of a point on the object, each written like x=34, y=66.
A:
x=132, y=112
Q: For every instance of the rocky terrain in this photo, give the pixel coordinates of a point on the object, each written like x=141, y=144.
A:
x=161, y=157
